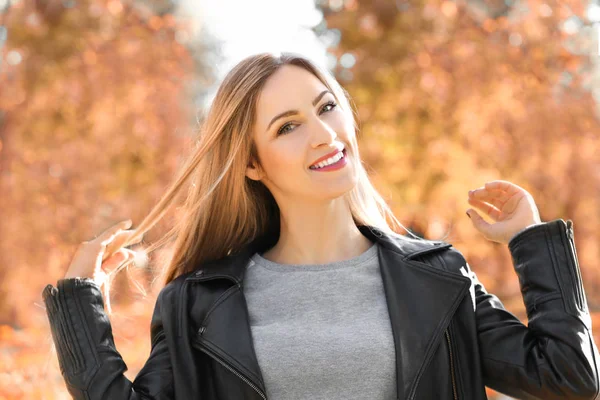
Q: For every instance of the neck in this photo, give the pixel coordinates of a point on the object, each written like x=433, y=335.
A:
x=317, y=234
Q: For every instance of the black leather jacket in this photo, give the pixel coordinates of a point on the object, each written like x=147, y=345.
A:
x=451, y=337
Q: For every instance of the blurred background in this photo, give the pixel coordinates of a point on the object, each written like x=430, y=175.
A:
x=100, y=100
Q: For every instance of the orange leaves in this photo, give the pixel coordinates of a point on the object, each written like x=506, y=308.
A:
x=89, y=137
x=368, y=25
x=90, y=57
x=490, y=25
x=155, y=23
x=449, y=9
x=115, y=7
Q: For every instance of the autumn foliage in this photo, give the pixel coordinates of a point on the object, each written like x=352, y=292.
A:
x=96, y=114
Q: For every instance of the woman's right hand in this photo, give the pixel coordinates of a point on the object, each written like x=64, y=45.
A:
x=94, y=258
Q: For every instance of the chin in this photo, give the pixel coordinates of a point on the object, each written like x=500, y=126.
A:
x=335, y=191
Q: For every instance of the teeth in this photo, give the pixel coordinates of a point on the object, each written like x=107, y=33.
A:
x=329, y=161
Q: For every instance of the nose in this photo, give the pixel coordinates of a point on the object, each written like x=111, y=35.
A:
x=322, y=133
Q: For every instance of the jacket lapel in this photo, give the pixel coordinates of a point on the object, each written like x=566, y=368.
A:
x=421, y=301
x=226, y=332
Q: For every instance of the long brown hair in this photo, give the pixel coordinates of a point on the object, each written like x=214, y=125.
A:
x=224, y=210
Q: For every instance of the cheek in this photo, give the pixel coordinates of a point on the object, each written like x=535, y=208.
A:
x=284, y=159
x=343, y=124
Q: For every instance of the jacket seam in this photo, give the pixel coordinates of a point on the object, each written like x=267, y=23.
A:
x=87, y=332
x=452, y=345
x=58, y=322
x=568, y=260
x=436, y=271
x=69, y=289
x=98, y=370
x=556, y=269
x=218, y=302
x=183, y=297
x=104, y=347
x=154, y=340
x=541, y=300
x=74, y=349
x=457, y=364
x=503, y=362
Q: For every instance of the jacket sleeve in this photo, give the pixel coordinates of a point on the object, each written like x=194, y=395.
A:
x=89, y=362
x=554, y=356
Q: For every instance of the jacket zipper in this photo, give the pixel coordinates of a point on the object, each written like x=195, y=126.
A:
x=577, y=270
x=451, y=366
x=228, y=366
x=573, y=270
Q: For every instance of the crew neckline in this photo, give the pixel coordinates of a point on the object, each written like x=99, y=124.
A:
x=352, y=262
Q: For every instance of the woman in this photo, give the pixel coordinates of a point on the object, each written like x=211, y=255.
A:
x=287, y=282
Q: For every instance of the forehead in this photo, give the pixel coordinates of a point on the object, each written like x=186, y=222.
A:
x=289, y=88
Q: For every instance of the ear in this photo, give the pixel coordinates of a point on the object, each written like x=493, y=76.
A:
x=253, y=171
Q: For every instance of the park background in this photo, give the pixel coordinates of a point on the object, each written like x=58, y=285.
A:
x=100, y=100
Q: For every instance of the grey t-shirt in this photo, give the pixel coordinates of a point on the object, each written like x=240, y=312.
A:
x=322, y=331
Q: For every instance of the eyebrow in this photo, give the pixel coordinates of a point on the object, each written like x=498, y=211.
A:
x=293, y=112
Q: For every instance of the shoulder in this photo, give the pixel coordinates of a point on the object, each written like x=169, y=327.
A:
x=449, y=259
x=439, y=254
x=172, y=289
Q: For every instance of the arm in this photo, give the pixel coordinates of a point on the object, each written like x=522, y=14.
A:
x=88, y=360
x=554, y=357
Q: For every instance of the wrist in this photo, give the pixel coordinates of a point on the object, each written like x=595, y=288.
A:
x=527, y=228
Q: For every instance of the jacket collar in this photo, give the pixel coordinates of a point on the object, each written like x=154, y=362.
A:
x=421, y=301
x=233, y=266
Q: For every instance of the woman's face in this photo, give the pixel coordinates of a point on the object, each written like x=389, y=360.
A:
x=298, y=122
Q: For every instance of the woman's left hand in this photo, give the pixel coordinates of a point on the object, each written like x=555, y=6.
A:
x=511, y=206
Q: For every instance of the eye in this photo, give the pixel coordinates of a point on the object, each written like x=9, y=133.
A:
x=329, y=104
x=284, y=128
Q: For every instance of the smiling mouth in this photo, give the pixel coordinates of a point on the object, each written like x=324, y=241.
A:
x=331, y=161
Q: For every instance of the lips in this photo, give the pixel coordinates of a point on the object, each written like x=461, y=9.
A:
x=325, y=157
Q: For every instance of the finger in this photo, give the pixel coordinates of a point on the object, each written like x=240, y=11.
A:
x=479, y=222
x=513, y=202
x=128, y=261
x=116, y=260
x=130, y=253
x=119, y=239
x=495, y=197
x=481, y=193
x=110, y=232
x=503, y=185
x=488, y=209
